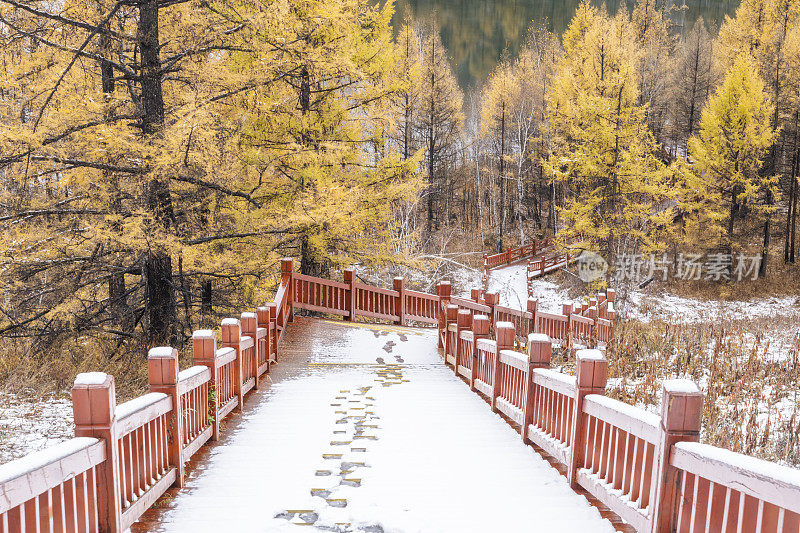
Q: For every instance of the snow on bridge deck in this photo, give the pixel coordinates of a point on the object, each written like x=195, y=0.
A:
x=364, y=429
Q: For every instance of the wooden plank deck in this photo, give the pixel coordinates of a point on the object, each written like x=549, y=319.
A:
x=362, y=428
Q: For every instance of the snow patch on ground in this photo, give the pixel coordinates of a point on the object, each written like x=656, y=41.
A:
x=27, y=426
x=671, y=308
x=512, y=286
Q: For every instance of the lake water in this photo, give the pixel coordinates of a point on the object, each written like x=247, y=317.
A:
x=475, y=32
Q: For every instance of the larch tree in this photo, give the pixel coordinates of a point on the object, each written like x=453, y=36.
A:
x=735, y=135
x=602, y=149
x=440, y=118
x=761, y=29
x=656, y=45
x=690, y=85
x=152, y=149
x=500, y=97
x=318, y=137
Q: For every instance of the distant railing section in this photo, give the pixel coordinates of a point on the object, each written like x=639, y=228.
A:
x=646, y=468
x=587, y=325
x=537, y=246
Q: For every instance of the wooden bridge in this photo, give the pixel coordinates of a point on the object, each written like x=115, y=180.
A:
x=542, y=256
x=287, y=420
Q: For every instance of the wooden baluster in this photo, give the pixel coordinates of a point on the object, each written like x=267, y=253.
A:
x=451, y=316
x=540, y=350
x=231, y=337
x=274, y=335
x=681, y=418
x=591, y=376
x=204, y=349
x=162, y=373
x=505, y=341
x=94, y=403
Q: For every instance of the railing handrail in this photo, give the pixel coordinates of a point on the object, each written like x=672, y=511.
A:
x=137, y=412
x=193, y=377
x=27, y=477
x=631, y=419
x=766, y=481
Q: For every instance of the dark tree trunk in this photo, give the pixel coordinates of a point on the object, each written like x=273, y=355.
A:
x=206, y=298
x=502, y=201
x=309, y=263
x=160, y=298
x=790, y=210
x=157, y=264
x=762, y=269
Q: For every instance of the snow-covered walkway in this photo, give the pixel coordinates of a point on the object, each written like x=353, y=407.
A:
x=364, y=429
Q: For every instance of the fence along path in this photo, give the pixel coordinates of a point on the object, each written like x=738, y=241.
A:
x=648, y=469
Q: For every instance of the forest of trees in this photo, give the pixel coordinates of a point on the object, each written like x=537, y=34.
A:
x=626, y=136
x=157, y=157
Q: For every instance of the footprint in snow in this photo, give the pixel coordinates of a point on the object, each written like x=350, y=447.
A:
x=380, y=361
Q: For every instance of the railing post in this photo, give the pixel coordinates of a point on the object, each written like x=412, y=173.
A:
x=399, y=284
x=249, y=322
x=231, y=335
x=287, y=278
x=681, y=418
x=162, y=373
x=505, y=336
x=532, y=306
x=491, y=299
x=274, y=335
x=540, y=350
x=591, y=375
x=94, y=402
x=204, y=350
x=443, y=292
x=475, y=294
x=263, y=321
x=463, y=323
x=350, y=279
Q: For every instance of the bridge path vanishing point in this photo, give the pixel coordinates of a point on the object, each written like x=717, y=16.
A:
x=435, y=458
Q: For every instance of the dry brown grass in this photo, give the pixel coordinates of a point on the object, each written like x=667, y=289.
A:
x=751, y=401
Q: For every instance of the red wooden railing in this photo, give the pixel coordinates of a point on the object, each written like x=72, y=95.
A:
x=537, y=246
x=648, y=469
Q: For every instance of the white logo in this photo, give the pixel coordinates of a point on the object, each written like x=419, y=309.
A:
x=591, y=266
